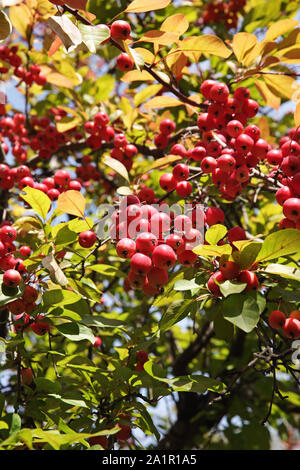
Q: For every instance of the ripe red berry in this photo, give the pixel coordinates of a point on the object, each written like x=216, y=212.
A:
x=229, y=269
x=40, y=326
x=8, y=234
x=167, y=126
x=146, y=242
x=181, y=172
x=126, y=248
x=140, y=263
x=167, y=182
x=97, y=342
x=249, y=278
x=213, y=286
x=291, y=328
x=157, y=277
x=219, y=92
x=291, y=209
x=125, y=62
x=184, y=189
x=235, y=234
x=120, y=30
x=214, y=215
x=62, y=178
x=87, y=238
x=234, y=128
x=163, y=256
x=11, y=278
x=277, y=319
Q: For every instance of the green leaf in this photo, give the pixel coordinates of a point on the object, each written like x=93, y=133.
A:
x=60, y=297
x=249, y=254
x=46, y=385
x=186, y=284
x=38, y=201
x=8, y=294
x=93, y=36
x=188, y=383
x=282, y=270
x=106, y=270
x=76, y=332
x=65, y=236
x=175, y=313
x=101, y=322
x=87, y=288
x=215, y=233
x=230, y=287
x=243, y=310
x=282, y=243
x=223, y=328
x=212, y=250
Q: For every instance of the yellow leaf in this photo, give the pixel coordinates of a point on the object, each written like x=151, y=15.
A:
x=279, y=28
x=159, y=37
x=67, y=123
x=270, y=99
x=147, y=55
x=163, y=102
x=71, y=202
x=146, y=93
x=21, y=18
x=283, y=84
x=297, y=114
x=141, y=6
x=242, y=44
x=176, y=62
x=117, y=166
x=175, y=24
x=263, y=124
x=137, y=76
x=208, y=44
x=162, y=162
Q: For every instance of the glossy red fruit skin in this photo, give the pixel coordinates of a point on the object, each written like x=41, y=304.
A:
x=184, y=188
x=276, y=319
x=40, y=327
x=219, y=92
x=62, y=177
x=181, y=172
x=205, y=88
x=30, y=294
x=87, y=239
x=167, y=126
x=97, y=342
x=126, y=248
x=120, y=30
x=186, y=256
x=167, y=182
x=235, y=234
x=146, y=242
x=140, y=264
x=211, y=284
x=249, y=278
x=291, y=209
x=163, y=256
x=124, y=62
x=98, y=440
x=229, y=269
x=8, y=234
x=214, y=215
x=26, y=376
x=291, y=328
x=161, y=141
x=157, y=277
x=11, y=278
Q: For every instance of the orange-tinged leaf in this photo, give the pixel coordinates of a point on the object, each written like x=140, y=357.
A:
x=142, y=6
x=208, y=44
x=159, y=37
x=71, y=202
x=263, y=124
x=242, y=44
x=77, y=4
x=163, y=102
x=147, y=55
x=297, y=114
x=280, y=27
x=136, y=76
x=117, y=166
x=175, y=24
x=58, y=79
x=55, y=46
x=270, y=99
x=176, y=62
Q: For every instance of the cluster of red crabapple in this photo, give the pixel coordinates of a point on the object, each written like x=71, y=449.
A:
x=11, y=262
x=218, y=11
x=12, y=59
x=290, y=325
